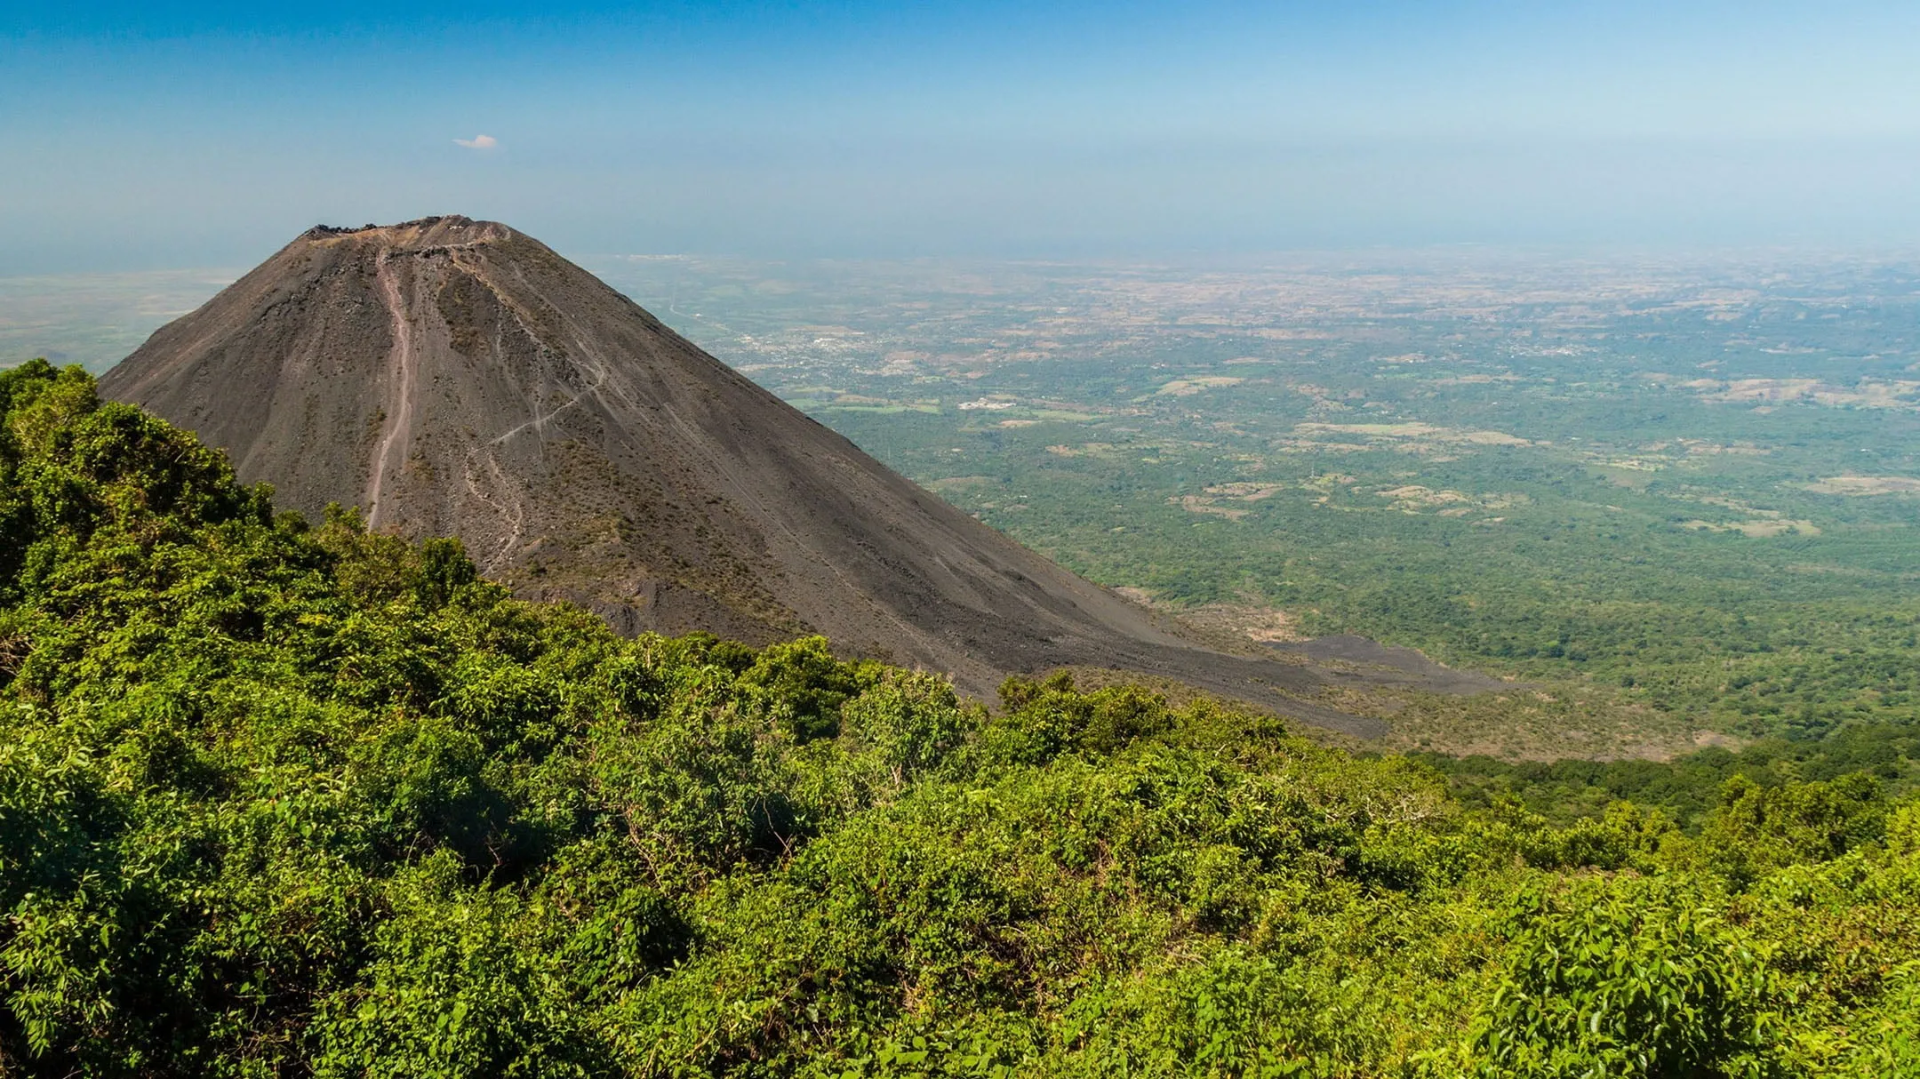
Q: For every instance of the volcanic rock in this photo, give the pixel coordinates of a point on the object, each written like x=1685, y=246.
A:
x=456, y=377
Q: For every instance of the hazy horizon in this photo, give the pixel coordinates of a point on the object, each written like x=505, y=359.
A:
x=171, y=135
x=98, y=318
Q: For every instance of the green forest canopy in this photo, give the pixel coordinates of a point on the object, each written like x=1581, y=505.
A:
x=281, y=798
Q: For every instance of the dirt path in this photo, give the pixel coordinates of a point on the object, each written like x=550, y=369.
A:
x=513, y=514
x=399, y=422
x=595, y=364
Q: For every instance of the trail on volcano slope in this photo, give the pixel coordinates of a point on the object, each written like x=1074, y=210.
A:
x=399, y=414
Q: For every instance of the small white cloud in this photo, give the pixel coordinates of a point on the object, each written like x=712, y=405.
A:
x=479, y=142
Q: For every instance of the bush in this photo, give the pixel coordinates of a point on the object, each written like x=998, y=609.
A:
x=1629, y=979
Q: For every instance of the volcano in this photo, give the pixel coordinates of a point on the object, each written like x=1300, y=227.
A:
x=457, y=377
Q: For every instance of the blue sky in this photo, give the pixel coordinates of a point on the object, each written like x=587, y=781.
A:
x=172, y=134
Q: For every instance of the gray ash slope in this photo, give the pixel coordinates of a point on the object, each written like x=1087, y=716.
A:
x=456, y=377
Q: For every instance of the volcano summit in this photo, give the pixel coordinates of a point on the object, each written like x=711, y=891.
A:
x=457, y=377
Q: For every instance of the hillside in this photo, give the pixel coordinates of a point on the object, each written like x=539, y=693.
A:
x=290, y=798
x=456, y=377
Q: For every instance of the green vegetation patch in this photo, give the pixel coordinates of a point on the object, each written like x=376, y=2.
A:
x=282, y=798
